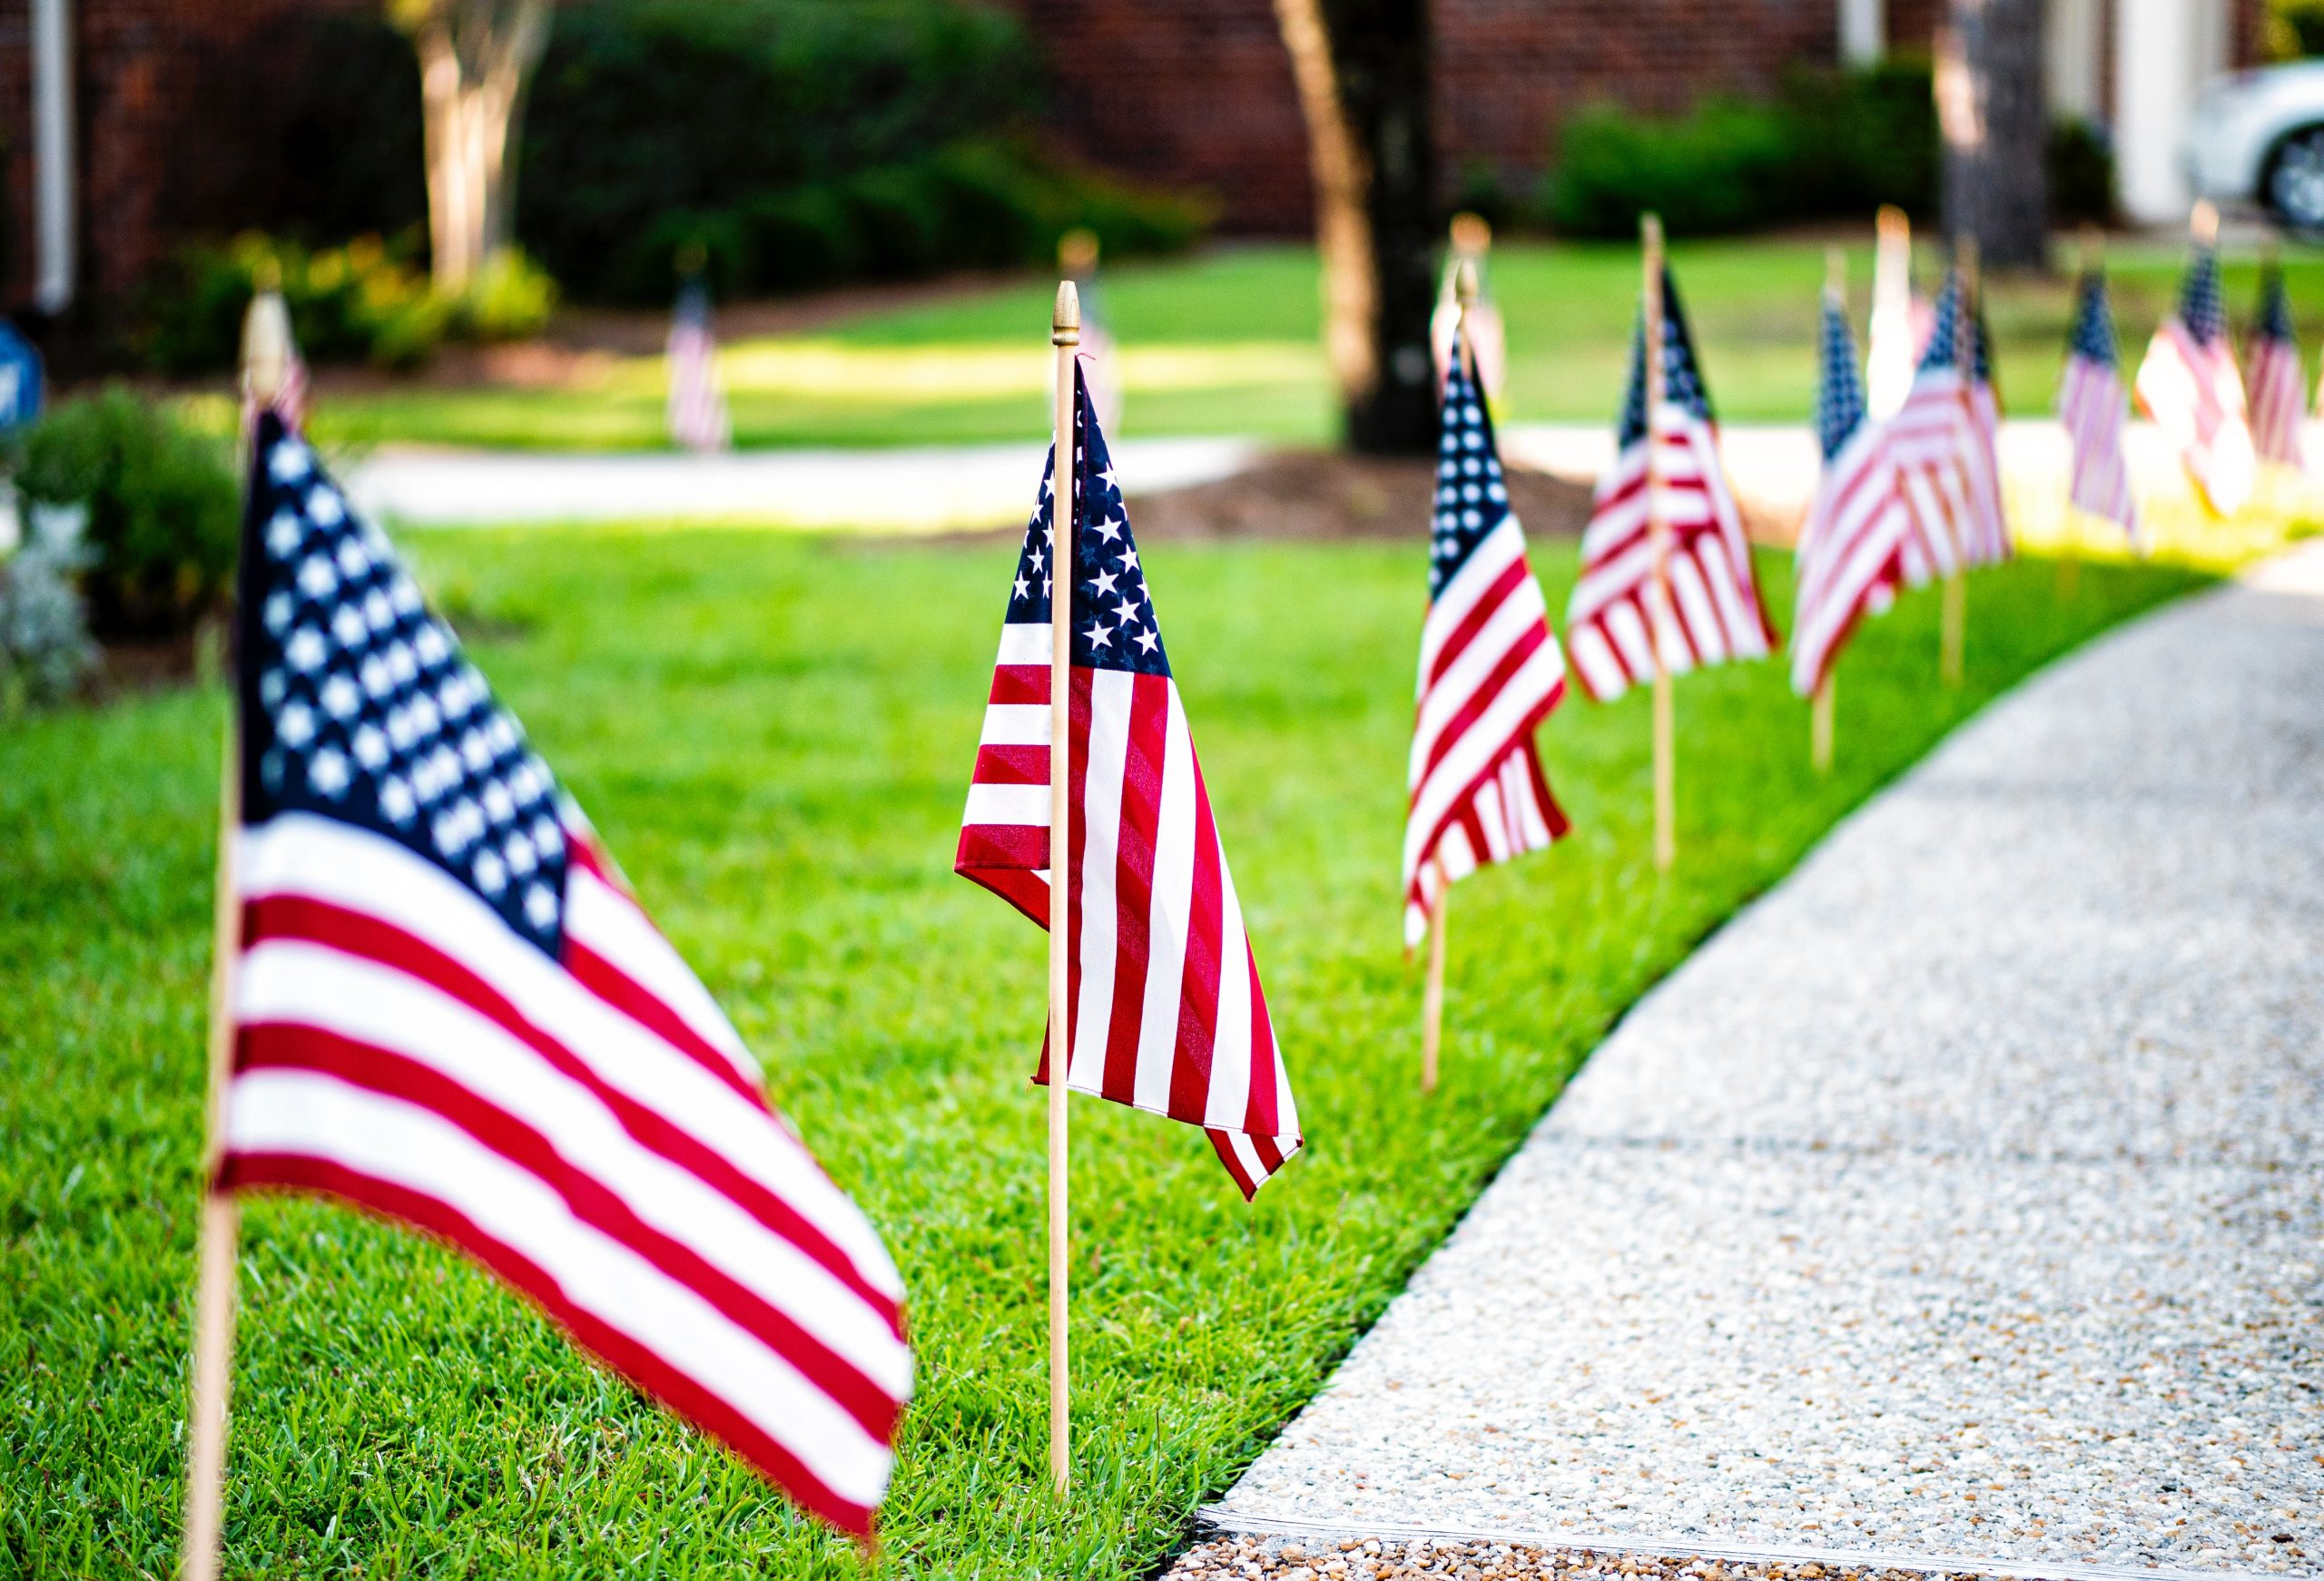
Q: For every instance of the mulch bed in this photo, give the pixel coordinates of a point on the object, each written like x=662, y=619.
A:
x=1321, y=493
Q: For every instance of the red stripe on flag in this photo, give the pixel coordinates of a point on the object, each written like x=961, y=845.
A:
x=693, y=1400
x=1198, y=977
x=1487, y=605
x=1140, y=820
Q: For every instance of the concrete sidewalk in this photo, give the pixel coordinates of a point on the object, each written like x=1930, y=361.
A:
x=1960, y=1205
x=939, y=489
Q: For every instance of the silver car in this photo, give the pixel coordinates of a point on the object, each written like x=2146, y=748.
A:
x=2258, y=136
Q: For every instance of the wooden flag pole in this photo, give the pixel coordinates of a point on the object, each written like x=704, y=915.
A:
x=1820, y=719
x=1064, y=334
x=1432, y=999
x=1658, y=531
x=266, y=361
x=1953, y=636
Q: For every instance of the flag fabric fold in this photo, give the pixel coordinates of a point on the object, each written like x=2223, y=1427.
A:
x=1851, y=554
x=2275, y=380
x=1716, y=613
x=1490, y=672
x=2090, y=406
x=450, y=1010
x=1165, y=1011
x=2190, y=385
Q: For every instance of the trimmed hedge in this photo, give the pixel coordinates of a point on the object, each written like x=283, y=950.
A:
x=1828, y=144
x=801, y=143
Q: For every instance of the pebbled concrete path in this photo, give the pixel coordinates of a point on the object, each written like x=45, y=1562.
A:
x=1960, y=1205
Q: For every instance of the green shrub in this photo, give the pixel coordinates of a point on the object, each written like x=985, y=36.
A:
x=2082, y=173
x=363, y=303
x=801, y=143
x=162, y=508
x=510, y=298
x=1830, y=144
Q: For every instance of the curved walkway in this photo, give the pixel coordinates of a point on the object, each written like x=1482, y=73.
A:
x=1961, y=1205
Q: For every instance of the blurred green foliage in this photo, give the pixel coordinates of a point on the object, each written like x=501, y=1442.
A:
x=1828, y=143
x=365, y=301
x=802, y=144
x=162, y=508
x=2293, y=29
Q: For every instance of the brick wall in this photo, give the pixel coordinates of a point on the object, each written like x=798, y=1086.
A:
x=173, y=122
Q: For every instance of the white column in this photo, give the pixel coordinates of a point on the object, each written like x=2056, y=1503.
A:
x=1864, y=31
x=2073, y=58
x=52, y=28
x=2155, y=74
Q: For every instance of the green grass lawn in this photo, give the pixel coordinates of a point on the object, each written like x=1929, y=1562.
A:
x=773, y=734
x=1225, y=342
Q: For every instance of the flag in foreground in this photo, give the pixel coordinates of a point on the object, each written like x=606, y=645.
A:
x=2090, y=405
x=450, y=1011
x=1942, y=441
x=697, y=409
x=1165, y=1010
x=1851, y=550
x=1490, y=672
x=2190, y=386
x=1717, y=610
x=2274, y=378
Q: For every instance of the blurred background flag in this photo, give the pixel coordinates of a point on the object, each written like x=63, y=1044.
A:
x=1943, y=453
x=697, y=404
x=1851, y=549
x=1714, y=586
x=2091, y=406
x=1166, y=1010
x=1989, y=541
x=449, y=1009
x=2188, y=383
x=2274, y=380
x=1490, y=672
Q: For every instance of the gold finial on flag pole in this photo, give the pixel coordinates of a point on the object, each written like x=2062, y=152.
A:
x=1658, y=529
x=1064, y=334
x=266, y=348
x=2202, y=223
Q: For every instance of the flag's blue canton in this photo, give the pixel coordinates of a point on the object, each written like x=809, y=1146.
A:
x=1472, y=499
x=359, y=706
x=1944, y=335
x=1113, y=616
x=2275, y=311
x=1839, y=390
x=2093, y=324
x=1682, y=378
x=2201, y=307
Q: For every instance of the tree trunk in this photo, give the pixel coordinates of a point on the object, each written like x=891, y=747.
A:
x=476, y=57
x=1362, y=70
x=1991, y=108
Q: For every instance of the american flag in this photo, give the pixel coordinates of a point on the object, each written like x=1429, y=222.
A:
x=1714, y=586
x=2090, y=405
x=1850, y=557
x=697, y=405
x=450, y=1010
x=2190, y=386
x=1943, y=440
x=1165, y=1009
x=1490, y=672
x=2274, y=378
